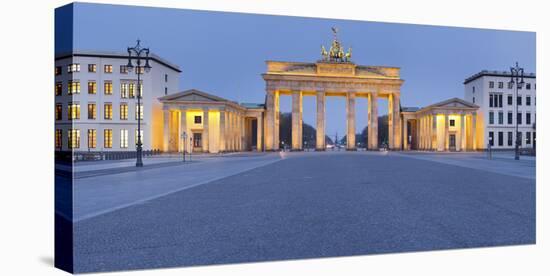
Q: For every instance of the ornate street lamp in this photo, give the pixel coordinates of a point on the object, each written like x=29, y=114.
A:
x=138, y=53
x=517, y=79
x=184, y=138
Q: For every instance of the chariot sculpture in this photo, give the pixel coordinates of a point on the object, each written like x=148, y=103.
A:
x=336, y=52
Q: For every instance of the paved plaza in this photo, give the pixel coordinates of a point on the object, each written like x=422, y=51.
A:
x=277, y=206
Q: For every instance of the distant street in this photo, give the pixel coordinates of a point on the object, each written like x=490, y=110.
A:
x=301, y=205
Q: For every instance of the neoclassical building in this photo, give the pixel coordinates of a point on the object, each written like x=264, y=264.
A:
x=213, y=124
x=445, y=126
x=201, y=122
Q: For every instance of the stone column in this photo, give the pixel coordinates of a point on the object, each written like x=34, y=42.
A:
x=390, y=121
x=350, y=111
x=272, y=120
x=405, y=135
x=259, y=133
x=183, y=129
x=474, y=136
x=228, y=128
x=235, y=129
x=396, y=122
x=320, y=132
x=166, y=130
x=462, y=136
x=426, y=132
x=446, y=131
x=296, y=120
x=205, y=130
x=242, y=139
x=222, y=146
x=419, y=132
x=433, y=137
x=373, y=121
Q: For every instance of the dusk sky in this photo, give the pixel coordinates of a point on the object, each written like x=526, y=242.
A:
x=225, y=53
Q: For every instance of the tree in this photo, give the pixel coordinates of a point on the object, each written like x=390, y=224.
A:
x=309, y=133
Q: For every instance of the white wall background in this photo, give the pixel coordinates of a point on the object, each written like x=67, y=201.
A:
x=26, y=137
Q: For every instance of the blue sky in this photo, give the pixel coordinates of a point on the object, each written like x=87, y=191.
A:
x=225, y=53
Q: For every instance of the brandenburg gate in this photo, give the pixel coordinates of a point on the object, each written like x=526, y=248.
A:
x=332, y=76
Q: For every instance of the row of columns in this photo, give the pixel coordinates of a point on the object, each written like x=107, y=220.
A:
x=231, y=130
x=427, y=133
x=272, y=120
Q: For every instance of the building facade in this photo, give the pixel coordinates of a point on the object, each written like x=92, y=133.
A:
x=196, y=121
x=496, y=97
x=449, y=125
x=96, y=104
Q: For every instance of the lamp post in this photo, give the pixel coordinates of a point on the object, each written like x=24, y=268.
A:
x=184, y=138
x=138, y=53
x=516, y=75
x=192, y=147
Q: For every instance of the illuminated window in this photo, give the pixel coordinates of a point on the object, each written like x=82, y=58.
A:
x=132, y=89
x=108, y=88
x=92, y=137
x=58, y=138
x=139, y=110
x=140, y=70
x=74, y=111
x=58, y=88
x=108, y=68
x=92, y=68
x=124, y=111
x=75, y=67
x=92, y=87
x=74, y=87
x=123, y=69
x=74, y=138
x=58, y=112
x=142, y=137
x=123, y=138
x=108, y=138
x=58, y=70
x=124, y=92
x=92, y=111
x=108, y=111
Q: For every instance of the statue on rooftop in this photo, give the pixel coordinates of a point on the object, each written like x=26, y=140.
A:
x=336, y=51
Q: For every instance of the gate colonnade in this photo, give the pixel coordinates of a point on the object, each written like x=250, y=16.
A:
x=450, y=125
x=332, y=79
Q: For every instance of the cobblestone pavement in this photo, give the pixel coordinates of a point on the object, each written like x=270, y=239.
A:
x=310, y=205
